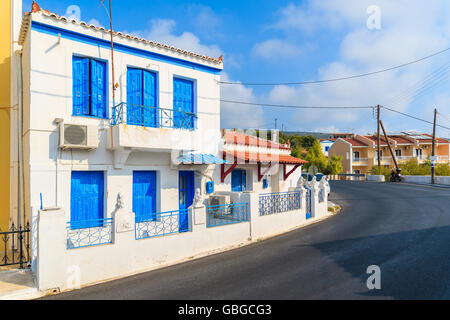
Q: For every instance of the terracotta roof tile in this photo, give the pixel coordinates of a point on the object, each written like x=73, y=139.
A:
x=37, y=9
x=238, y=138
x=264, y=158
x=355, y=142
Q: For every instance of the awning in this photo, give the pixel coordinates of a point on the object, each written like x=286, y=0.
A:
x=201, y=158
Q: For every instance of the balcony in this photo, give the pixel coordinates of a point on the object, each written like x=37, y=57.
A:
x=143, y=128
x=152, y=117
x=360, y=161
x=384, y=160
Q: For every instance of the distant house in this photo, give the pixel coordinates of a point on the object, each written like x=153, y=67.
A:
x=359, y=154
x=326, y=145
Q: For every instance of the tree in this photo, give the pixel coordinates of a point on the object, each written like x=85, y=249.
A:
x=315, y=157
x=334, y=165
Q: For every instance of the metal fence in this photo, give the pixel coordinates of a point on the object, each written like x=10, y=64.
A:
x=226, y=214
x=15, y=246
x=271, y=203
x=162, y=224
x=89, y=233
x=153, y=117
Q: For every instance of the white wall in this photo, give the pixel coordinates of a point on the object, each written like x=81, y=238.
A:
x=48, y=95
x=58, y=267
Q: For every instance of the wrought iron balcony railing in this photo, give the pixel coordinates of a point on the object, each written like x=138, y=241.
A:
x=162, y=224
x=226, y=214
x=89, y=233
x=152, y=117
x=271, y=203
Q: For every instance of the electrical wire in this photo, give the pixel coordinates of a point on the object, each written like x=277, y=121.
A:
x=336, y=79
x=294, y=106
x=413, y=117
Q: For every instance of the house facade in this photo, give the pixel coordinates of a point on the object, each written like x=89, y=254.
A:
x=10, y=18
x=326, y=145
x=359, y=154
x=81, y=145
x=108, y=176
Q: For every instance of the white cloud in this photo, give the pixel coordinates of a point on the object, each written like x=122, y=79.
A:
x=276, y=48
x=409, y=30
x=163, y=30
x=237, y=115
x=95, y=22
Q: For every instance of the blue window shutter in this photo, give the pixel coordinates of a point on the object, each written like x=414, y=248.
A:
x=98, y=89
x=86, y=199
x=183, y=102
x=80, y=78
x=134, y=96
x=244, y=181
x=149, y=99
x=144, y=195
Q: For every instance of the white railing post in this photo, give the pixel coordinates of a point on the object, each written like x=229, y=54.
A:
x=252, y=210
x=51, y=239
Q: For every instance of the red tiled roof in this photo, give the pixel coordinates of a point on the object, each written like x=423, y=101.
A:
x=238, y=138
x=265, y=158
x=375, y=139
x=354, y=142
x=37, y=9
x=401, y=140
x=438, y=140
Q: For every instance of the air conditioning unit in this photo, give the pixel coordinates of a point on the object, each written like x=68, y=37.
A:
x=74, y=136
x=219, y=200
x=220, y=206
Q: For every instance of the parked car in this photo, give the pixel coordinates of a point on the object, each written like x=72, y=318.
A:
x=319, y=176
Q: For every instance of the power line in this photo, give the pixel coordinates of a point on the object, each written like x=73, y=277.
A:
x=413, y=117
x=295, y=106
x=336, y=79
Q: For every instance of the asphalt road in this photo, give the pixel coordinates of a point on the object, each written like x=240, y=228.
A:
x=404, y=229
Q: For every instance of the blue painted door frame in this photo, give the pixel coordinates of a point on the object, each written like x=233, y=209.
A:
x=144, y=195
x=186, y=197
x=86, y=199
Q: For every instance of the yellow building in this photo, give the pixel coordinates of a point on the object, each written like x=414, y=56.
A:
x=10, y=17
x=359, y=153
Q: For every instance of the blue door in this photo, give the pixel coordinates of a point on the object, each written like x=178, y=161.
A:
x=238, y=180
x=183, y=103
x=141, y=98
x=186, y=196
x=144, y=195
x=86, y=199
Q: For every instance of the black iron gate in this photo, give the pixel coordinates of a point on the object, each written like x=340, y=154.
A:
x=15, y=246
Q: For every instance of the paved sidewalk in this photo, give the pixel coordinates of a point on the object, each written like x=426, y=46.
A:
x=17, y=285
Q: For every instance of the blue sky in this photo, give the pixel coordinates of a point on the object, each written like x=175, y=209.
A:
x=285, y=41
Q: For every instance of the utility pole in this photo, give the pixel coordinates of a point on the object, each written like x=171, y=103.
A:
x=282, y=127
x=389, y=145
x=378, y=138
x=276, y=123
x=112, y=55
x=433, y=147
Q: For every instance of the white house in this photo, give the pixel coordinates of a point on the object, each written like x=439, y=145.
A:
x=118, y=185
x=326, y=145
x=80, y=146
